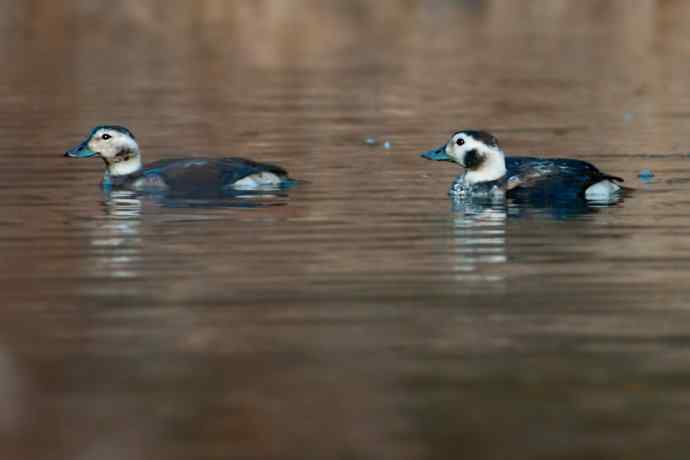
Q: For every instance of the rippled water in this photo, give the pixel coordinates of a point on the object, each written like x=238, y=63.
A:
x=363, y=315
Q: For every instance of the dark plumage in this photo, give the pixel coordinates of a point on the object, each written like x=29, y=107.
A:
x=473, y=159
x=194, y=176
x=124, y=169
x=490, y=173
x=559, y=177
x=487, y=138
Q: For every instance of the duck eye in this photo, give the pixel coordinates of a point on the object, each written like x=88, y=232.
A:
x=106, y=136
x=460, y=141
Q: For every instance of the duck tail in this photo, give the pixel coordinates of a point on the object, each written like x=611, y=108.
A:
x=613, y=178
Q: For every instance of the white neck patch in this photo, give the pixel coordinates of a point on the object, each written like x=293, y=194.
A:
x=124, y=168
x=493, y=167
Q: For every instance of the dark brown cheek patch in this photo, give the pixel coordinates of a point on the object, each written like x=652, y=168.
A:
x=125, y=155
x=473, y=159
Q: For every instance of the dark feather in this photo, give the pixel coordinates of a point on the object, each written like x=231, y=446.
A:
x=203, y=174
x=549, y=178
x=482, y=136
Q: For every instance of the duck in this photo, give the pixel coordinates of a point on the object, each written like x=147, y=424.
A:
x=124, y=170
x=489, y=173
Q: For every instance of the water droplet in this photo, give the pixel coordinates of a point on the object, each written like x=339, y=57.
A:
x=646, y=175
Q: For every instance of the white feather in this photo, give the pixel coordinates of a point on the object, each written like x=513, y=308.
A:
x=602, y=190
x=262, y=179
x=125, y=167
x=493, y=168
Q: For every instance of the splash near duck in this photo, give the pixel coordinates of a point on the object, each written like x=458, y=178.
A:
x=490, y=174
x=124, y=169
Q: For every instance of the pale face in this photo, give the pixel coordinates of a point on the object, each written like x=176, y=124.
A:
x=109, y=143
x=116, y=146
x=466, y=150
x=477, y=151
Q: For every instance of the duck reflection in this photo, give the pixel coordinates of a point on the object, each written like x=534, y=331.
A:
x=118, y=238
x=518, y=207
x=124, y=203
x=479, y=237
x=481, y=228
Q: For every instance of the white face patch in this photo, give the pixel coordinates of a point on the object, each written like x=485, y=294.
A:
x=119, y=150
x=483, y=162
x=109, y=142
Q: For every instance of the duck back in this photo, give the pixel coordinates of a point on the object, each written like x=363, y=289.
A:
x=205, y=175
x=552, y=179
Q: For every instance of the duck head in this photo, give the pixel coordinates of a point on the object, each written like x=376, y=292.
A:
x=115, y=145
x=476, y=151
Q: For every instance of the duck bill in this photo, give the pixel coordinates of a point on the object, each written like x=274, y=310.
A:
x=438, y=154
x=80, y=151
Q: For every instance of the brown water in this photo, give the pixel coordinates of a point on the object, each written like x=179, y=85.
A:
x=363, y=316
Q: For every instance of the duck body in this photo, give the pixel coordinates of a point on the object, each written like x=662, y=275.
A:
x=200, y=175
x=117, y=147
x=490, y=174
x=539, y=179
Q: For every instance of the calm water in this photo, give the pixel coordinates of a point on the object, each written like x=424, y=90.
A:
x=364, y=315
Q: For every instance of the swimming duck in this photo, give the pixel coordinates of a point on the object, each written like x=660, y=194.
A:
x=490, y=174
x=124, y=170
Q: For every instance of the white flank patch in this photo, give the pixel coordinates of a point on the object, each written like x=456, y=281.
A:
x=602, y=190
x=150, y=183
x=258, y=180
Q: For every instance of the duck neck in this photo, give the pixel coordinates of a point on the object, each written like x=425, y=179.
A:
x=126, y=162
x=492, y=168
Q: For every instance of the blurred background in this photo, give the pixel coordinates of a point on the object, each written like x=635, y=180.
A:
x=363, y=315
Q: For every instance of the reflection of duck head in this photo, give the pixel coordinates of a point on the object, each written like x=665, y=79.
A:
x=123, y=204
x=479, y=234
x=117, y=237
x=482, y=230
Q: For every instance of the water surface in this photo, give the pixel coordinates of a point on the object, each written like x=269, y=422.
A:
x=363, y=315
